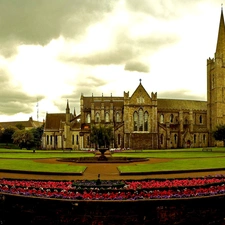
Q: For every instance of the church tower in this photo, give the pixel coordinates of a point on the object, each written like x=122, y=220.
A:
x=216, y=84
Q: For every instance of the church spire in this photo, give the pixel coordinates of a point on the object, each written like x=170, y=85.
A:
x=220, y=48
x=67, y=107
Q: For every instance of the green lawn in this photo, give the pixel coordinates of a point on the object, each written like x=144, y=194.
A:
x=182, y=159
x=176, y=164
x=30, y=165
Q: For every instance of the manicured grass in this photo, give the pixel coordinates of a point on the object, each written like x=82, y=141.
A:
x=30, y=165
x=172, y=155
x=176, y=164
x=181, y=159
x=43, y=155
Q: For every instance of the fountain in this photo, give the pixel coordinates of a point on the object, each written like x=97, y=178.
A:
x=102, y=157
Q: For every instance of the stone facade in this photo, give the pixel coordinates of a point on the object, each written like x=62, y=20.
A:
x=142, y=121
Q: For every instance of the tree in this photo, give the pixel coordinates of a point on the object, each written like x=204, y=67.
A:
x=24, y=138
x=37, y=133
x=101, y=136
x=7, y=134
x=20, y=126
x=219, y=133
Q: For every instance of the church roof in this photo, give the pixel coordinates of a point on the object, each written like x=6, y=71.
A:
x=178, y=104
x=140, y=89
x=53, y=120
x=220, y=48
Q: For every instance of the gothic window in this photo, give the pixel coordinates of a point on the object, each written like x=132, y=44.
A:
x=146, y=121
x=140, y=119
x=204, y=138
x=118, y=139
x=97, y=118
x=47, y=140
x=200, y=119
x=56, y=140
x=107, y=117
x=72, y=139
x=161, y=118
x=117, y=117
x=51, y=140
x=175, y=138
x=88, y=140
x=88, y=118
x=161, y=139
x=171, y=118
x=195, y=138
x=135, y=121
x=77, y=139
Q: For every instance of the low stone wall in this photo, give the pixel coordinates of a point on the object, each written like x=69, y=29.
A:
x=32, y=210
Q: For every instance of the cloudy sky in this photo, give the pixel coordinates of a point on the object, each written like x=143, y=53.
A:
x=54, y=50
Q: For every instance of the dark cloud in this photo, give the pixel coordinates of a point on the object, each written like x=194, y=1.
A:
x=39, y=21
x=181, y=94
x=137, y=66
x=12, y=99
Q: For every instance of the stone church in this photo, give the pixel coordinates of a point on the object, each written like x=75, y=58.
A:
x=144, y=121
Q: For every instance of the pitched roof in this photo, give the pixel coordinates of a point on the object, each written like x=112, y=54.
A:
x=27, y=124
x=179, y=104
x=53, y=120
x=140, y=89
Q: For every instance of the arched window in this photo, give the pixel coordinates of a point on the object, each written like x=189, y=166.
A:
x=88, y=141
x=171, y=118
x=204, y=138
x=146, y=121
x=140, y=119
x=97, y=118
x=161, y=139
x=175, y=138
x=88, y=118
x=118, y=139
x=195, y=138
x=47, y=140
x=135, y=121
x=117, y=117
x=200, y=119
x=56, y=140
x=161, y=118
x=107, y=117
x=72, y=139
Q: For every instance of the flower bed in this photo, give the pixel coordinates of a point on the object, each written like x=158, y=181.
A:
x=117, y=190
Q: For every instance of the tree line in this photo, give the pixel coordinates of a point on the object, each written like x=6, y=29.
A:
x=21, y=137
